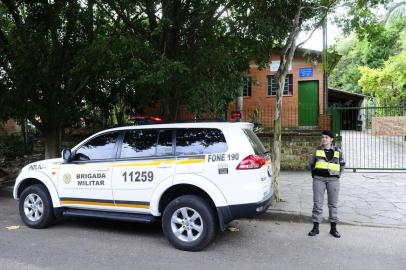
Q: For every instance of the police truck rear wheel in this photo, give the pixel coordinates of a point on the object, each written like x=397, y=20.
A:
x=35, y=207
x=189, y=223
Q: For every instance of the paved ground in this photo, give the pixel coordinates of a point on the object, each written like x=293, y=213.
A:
x=259, y=244
x=376, y=199
x=267, y=243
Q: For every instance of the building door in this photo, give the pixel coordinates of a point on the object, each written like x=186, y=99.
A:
x=308, y=103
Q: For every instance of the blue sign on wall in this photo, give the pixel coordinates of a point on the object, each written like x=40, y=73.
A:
x=305, y=72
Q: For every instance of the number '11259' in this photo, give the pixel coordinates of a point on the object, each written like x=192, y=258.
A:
x=138, y=176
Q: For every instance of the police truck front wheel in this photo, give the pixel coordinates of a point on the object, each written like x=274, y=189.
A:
x=36, y=208
x=189, y=223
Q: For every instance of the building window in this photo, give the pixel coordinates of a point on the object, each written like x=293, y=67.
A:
x=246, y=92
x=273, y=85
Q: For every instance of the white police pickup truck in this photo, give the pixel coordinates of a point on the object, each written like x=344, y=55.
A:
x=194, y=177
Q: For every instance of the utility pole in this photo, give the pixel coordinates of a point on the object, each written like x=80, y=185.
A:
x=240, y=99
x=325, y=75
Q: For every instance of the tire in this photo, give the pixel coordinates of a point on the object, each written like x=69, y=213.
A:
x=35, y=207
x=194, y=220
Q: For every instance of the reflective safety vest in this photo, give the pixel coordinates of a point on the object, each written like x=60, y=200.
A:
x=333, y=165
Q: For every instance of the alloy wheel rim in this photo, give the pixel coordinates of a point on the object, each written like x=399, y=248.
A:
x=33, y=207
x=186, y=224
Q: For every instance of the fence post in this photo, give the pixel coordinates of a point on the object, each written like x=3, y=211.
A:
x=335, y=114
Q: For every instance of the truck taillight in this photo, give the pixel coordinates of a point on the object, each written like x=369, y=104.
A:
x=251, y=162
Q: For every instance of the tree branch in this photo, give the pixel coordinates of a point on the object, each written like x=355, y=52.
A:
x=391, y=9
x=3, y=40
x=225, y=8
x=5, y=45
x=127, y=21
x=101, y=6
x=320, y=23
x=290, y=43
x=150, y=10
x=14, y=13
x=314, y=30
x=79, y=88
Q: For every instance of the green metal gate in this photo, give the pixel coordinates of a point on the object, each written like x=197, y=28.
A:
x=372, y=138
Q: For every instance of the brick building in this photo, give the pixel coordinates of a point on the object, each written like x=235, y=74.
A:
x=9, y=127
x=303, y=99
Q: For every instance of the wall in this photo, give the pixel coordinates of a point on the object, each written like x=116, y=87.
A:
x=9, y=127
x=296, y=148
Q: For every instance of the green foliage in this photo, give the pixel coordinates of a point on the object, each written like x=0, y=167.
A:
x=255, y=118
x=47, y=61
x=12, y=146
x=66, y=63
x=388, y=84
x=360, y=17
x=371, y=51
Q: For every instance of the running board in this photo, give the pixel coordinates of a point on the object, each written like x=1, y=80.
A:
x=142, y=218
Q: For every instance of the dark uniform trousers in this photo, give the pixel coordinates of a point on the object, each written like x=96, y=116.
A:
x=320, y=184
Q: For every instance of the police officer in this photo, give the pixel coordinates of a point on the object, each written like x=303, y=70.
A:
x=326, y=163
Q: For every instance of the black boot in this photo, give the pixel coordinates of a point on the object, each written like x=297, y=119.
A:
x=315, y=229
x=333, y=230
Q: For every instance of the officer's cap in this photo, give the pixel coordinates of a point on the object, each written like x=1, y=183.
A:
x=328, y=133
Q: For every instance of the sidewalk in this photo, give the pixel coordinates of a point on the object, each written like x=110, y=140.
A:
x=373, y=199
x=369, y=199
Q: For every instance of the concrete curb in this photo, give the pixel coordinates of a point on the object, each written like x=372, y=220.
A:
x=298, y=217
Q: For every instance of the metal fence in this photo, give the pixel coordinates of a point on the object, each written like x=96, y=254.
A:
x=372, y=138
x=291, y=116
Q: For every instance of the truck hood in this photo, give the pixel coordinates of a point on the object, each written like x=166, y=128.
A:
x=42, y=164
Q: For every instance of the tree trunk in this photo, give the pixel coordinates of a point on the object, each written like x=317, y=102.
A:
x=277, y=137
x=51, y=136
x=287, y=54
x=119, y=112
x=171, y=106
x=23, y=124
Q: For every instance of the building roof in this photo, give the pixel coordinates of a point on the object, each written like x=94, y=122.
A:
x=344, y=93
x=343, y=98
x=310, y=51
x=303, y=51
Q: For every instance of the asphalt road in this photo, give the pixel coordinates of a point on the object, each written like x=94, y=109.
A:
x=259, y=244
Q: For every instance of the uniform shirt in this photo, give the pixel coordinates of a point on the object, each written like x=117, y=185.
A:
x=329, y=156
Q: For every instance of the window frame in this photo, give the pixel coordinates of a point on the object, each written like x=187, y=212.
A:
x=247, y=85
x=194, y=155
x=173, y=137
x=120, y=140
x=119, y=147
x=115, y=149
x=289, y=78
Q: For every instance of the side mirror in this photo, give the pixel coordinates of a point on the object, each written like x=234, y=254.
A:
x=66, y=155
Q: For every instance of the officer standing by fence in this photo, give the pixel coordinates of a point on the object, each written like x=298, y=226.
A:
x=326, y=163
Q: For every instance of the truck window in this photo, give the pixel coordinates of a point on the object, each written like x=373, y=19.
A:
x=195, y=141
